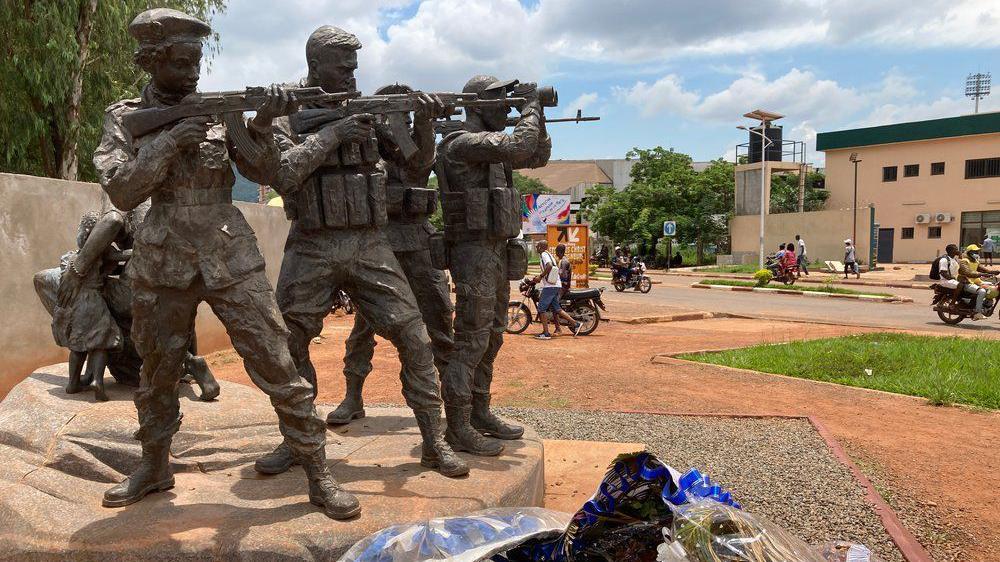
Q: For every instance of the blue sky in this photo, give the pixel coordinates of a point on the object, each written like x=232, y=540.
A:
x=659, y=72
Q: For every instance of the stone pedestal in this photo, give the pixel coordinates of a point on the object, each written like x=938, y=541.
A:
x=59, y=453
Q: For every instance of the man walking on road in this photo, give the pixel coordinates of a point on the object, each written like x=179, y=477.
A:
x=851, y=259
x=803, y=261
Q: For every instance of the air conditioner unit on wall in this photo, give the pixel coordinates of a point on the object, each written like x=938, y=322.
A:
x=944, y=217
x=923, y=218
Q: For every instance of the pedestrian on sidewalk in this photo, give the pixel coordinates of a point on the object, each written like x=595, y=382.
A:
x=989, y=246
x=803, y=261
x=548, y=302
x=851, y=259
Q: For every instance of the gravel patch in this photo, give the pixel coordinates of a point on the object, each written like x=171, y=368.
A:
x=778, y=468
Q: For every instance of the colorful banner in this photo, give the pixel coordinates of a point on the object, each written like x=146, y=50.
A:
x=576, y=237
x=540, y=210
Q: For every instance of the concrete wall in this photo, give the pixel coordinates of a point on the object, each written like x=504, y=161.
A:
x=823, y=231
x=899, y=202
x=38, y=223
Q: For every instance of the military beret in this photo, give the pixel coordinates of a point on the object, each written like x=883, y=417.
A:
x=163, y=24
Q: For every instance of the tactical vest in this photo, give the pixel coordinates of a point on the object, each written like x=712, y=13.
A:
x=346, y=192
x=479, y=213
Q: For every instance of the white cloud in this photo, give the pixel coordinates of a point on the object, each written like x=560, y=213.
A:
x=447, y=41
x=582, y=102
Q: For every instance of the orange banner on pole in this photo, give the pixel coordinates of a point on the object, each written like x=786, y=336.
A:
x=576, y=238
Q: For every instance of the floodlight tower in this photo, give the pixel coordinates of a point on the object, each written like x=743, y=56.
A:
x=977, y=87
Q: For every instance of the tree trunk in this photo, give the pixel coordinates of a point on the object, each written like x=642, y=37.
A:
x=699, y=250
x=68, y=160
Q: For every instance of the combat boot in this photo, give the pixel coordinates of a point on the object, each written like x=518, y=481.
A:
x=435, y=451
x=197, y=367
x=153, y=475
x=487, y=423
x=463, y=437
x=277, y=461
x=353, y=406
x=325, y=492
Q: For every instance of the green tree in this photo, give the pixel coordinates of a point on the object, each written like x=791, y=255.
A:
x=785, y=193
x=64, y=62
x=665, y=187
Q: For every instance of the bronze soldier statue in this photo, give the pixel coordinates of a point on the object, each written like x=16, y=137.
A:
x=335, y=196
x=409, y=204
x=481, y=211
x=196, y=246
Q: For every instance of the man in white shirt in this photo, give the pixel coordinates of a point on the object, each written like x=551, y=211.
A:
x=802, y=260
x=948, y=267
x=551, y=288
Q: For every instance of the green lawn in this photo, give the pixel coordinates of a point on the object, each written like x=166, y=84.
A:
x=944, y=370
x=751, y=269
x=819, y=289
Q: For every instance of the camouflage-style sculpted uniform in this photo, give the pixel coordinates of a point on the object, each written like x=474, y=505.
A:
x=409, y=204
x=335, y=196
x=482, y=216
x=195, y=246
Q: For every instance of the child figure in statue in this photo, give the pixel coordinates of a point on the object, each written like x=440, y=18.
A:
x=84, y=325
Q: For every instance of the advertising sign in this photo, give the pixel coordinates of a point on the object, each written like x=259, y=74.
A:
x=540, y=210
x=576, y=237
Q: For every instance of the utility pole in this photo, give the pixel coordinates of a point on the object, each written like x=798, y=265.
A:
x=765, y=117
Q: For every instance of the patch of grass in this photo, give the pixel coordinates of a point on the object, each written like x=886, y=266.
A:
x=940, y=369
x=749, y=269
x=800, y=288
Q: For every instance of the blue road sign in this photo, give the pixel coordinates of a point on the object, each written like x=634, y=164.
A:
x=669, y=228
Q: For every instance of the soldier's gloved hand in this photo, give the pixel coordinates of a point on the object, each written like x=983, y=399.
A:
x=277, y=103
x=190, y=132
x=356, y=128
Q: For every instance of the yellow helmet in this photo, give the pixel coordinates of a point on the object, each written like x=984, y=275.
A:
x=972, y=248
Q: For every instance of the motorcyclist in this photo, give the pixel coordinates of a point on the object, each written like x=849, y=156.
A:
x=970, y=272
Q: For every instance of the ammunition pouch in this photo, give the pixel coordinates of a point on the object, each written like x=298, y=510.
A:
x=517, y=260
x=340, y=200
x=439, y=251
x=482, y=214
x=410, y=202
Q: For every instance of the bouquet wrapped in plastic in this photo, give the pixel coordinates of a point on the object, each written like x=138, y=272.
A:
x=643, y=510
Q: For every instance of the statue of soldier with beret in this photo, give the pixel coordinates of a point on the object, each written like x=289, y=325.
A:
x=196, y=246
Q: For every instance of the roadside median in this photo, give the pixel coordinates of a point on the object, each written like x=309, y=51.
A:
x=816, y=292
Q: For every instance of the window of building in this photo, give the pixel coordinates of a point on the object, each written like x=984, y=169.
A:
x=889, y=173
x=911, y=170
x=982, y=168
x=907, y=233
x=977, y=225
x=934, y=232
x=937, y=168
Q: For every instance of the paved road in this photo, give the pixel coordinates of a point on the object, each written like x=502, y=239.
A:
x=675, y=292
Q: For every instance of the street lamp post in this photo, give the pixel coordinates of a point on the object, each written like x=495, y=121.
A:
x=854, y=226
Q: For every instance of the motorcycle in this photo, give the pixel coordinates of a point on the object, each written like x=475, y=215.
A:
x=779, y=272
x=584, y=305
x=342, y=301
x=952, y=310
x=636, y=280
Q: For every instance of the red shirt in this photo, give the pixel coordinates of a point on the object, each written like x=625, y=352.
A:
x=788, y=260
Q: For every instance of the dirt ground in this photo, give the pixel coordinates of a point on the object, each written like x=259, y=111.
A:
x=938, y=465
